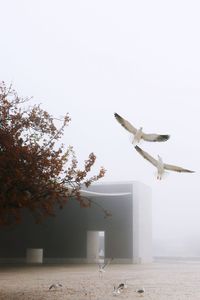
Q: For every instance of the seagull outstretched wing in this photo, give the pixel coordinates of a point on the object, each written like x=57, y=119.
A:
x=147, y=156
x=177, y=169
x=153, y=137
x=127, y=125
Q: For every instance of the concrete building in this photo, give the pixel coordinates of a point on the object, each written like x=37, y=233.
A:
x=83, y=234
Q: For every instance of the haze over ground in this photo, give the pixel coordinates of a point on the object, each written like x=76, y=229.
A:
x=137, y=58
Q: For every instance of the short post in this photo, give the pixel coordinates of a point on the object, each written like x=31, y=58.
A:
x=34, y=256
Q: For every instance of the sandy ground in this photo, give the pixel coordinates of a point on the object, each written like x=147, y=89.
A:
x=163, y=281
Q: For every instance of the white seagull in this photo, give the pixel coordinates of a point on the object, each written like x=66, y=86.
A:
x=160, y=165
x=55, y=286
x=122, y=286
x=116, y=291
x=119, y=289
x=140, y=291
x=139, y=134
x=102, y=267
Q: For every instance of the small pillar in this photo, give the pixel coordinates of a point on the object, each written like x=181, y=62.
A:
x=34, y=256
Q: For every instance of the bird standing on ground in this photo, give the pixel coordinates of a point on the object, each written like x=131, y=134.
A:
x=122, y=286
x=139, y=134
x=160, y=165
x=116, y=291
x=119, y=289
x=140, y=291
x=55, y=286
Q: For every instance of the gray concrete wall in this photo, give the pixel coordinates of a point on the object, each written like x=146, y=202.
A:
x=60, y=236
x=64, y=236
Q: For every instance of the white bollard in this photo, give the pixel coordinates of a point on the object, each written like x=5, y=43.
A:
x=34, y=255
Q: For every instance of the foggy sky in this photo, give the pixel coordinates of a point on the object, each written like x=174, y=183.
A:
x=140, y=59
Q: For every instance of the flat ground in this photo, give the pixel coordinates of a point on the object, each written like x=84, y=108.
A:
x=162, y=281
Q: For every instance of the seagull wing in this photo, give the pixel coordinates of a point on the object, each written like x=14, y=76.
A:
x=128, y=126
x=104, y=265
x=177, y=169
x=153, y=137
x=107, y=263
x=147, y=156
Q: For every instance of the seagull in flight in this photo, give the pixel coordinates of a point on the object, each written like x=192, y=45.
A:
x=103, y=266
x=139, y=134
x=160, y=165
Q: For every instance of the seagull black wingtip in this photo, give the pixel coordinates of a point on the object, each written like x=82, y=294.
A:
x=117, y=116
x=138, y=148
x=163, y=137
